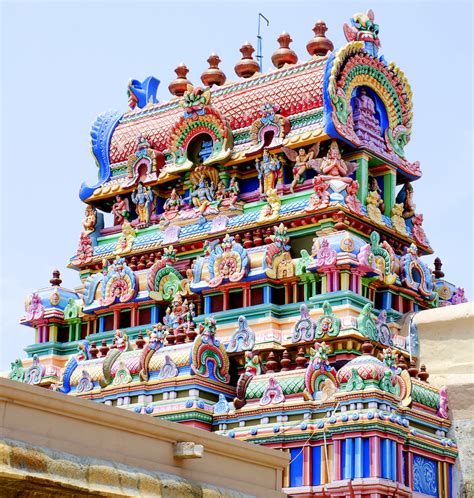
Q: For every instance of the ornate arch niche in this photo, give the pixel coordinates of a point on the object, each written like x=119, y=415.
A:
x=201, y=135
x=352, y=70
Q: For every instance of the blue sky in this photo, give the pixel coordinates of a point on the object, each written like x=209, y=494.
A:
x=63, y=63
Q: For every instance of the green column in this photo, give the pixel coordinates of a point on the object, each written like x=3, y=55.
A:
x=362, y=176
x=389, y=184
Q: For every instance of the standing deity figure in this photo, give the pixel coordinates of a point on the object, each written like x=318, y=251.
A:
x=90, y=220
x=374, y=187
x=303, y=161
x=143, y=198
x=121, y=209
x=269, y=171
x=221, y=191
x=334, y=165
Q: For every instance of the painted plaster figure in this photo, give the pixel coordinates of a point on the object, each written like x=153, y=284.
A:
x=121, y=209
x=143, y=198
x=269, y=172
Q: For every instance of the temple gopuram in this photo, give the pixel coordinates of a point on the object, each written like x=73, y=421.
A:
x=262, y=270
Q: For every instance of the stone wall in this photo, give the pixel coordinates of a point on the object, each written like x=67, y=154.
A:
x=447, y=348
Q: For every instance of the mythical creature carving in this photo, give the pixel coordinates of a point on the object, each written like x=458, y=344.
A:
x=363, y=28
x=142, y=93
x=418, y=231
x=416, y=275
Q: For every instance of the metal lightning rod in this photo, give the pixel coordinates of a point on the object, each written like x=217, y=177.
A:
x=259, y=40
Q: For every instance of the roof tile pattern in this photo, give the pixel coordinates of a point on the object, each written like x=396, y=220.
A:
x=295, y=89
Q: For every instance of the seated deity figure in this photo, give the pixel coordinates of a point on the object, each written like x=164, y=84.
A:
x=405, y=197
x=374, y=187
x=143, y=198
x=269, y=172
x=120, y=209
x=202, y=196
x=90, y=220
x=173, y=203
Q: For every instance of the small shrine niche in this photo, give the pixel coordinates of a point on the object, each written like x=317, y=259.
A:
x=200, y=148
x=370, y=117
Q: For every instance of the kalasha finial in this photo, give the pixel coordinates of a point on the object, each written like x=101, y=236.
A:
x=438, y=273
x=247, y=66
x=180, y=84
x=284, y=54
x=213, y=75
x=423, y=374
x=319, y=45
x=56, y=280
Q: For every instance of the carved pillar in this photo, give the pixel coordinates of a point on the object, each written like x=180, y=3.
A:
x=362, y=176
x=389, y=184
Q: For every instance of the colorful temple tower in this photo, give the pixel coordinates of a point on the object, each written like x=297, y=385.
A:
x=262, y=270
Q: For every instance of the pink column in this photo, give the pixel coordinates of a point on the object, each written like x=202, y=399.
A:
x=329, y=282
x=375, y=456
x=336, y=461
x=116, y=319
x=306, y=466
x=335, y=281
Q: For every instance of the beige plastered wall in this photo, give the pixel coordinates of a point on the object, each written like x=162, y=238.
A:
x=106, y=451
x=447, y=349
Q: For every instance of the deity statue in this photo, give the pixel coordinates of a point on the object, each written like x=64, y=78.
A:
x=121, y=209
x=233, y=191
x=374, y=187
x=125, y=242
x=221, y=191
x=320, y=198
x=351, y=200
x=398, y=221
x=334, y=165
x=271, y=211
x=144, y=199
x=90, y=220
x=202, y=196
x=172, y=206
x=269, y=171
x=303, y=161
x=373, y=210
x=405, y=197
